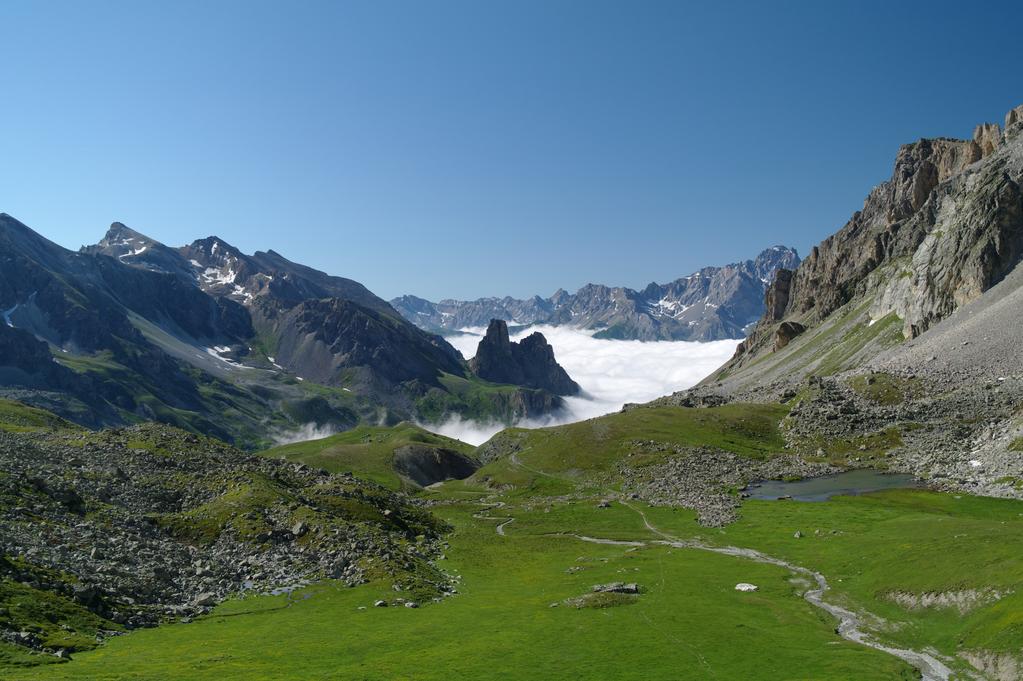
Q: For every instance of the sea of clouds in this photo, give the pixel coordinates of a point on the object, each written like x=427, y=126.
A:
x=610, y=372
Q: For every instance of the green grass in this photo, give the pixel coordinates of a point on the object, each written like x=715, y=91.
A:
x=20, y=418
x=688, y=623
x=472, y=398
x=55, y=622
x=1016, y=445
x=585, y=453
x=366, y=451
x=886, y=389
x=906, y=540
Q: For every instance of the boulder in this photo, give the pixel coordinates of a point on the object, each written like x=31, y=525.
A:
x=205, y=599
x=617, y=588
x=785, y=333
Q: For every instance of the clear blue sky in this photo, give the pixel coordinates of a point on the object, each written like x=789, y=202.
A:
x=483, y=148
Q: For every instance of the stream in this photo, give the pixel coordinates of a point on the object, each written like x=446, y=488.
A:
x=931, y=668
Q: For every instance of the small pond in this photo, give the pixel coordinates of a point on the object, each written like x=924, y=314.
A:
x=823, y=488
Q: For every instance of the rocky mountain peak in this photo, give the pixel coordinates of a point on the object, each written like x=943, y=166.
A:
x=773, y=259
x=987, y=136
x=945, y=228
x=1013, y=123
x=528, y=363
x=496, y=339
x=710, y=304
x=213, y=250
x=121, y=234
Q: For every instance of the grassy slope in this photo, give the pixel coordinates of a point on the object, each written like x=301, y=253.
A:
x=16, y=417
x=687, y=624
x=586, y=452
x=843, y=341
x=247, y=409
x=366, y=451
x=472, y=398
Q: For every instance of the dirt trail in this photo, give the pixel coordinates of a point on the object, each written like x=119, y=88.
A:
x=504, y=519
x=515, y=461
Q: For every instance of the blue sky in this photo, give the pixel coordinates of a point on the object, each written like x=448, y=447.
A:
x=483, y=148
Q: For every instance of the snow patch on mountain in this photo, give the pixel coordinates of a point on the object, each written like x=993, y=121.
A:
x=8, y=313
x=213, y=275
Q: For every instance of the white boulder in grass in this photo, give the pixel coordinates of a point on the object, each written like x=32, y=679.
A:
x=743, y=586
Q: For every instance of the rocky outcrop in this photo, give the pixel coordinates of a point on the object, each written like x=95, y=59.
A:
x=711, y=304
x=425, y=465
x=785, y=332
x=776, y=300
x=1013, y=121
x=987, y=136
x=996, y=665
x=700, y=477
x=528, y=363
x=130, y=528
x=947, y=226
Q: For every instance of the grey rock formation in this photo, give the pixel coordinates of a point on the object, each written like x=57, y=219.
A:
x=529, y=362
x=428, y=465
x=987, y=136
x=945, y=228
x=147, y=524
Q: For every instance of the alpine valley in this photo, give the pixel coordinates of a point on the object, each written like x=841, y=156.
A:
x=842, y=499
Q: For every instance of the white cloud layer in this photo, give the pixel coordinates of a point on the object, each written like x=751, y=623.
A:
x=308, y=431
x=610, y=372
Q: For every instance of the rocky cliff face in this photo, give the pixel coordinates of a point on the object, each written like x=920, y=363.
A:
x=712, y=304
x=529, y=362
x=946, y=227
x=896, y=342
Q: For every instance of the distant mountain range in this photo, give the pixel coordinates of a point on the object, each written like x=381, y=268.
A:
x=215, y=341
x=712, y=304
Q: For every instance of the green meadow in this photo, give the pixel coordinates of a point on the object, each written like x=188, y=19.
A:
x=518, y=612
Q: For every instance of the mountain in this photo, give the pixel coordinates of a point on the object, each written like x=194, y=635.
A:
x=711, y=304
x=895, y=343
x=943, y=230
x=207, y=338
x=529, y=362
